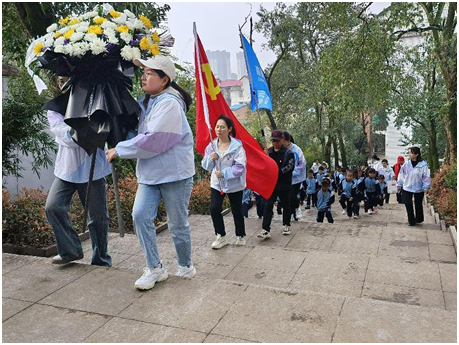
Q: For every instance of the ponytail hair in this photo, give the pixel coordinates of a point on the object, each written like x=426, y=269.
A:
x=185, y=95
x=229, y=124
x=417, y=151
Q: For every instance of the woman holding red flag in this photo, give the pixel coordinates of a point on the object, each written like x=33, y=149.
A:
x=225, y=158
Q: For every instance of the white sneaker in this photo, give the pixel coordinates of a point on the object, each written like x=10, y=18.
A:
x=298, y=213
x=240, y=241
x=356, y=216
x=186, y=272
x=219, y=242
x=264, y=234
x=150, y=276
x=286, y=230
x=349, y=218
x=344, y=212
x=57, y=260
x=370, y=212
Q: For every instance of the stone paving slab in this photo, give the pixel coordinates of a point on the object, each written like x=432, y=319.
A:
x=404, y=272
x=119, y=330
x=404, y=249
x=448, y=274
x=174, y=302
x=11, y=262
x=11, y=307
x=404, y=295
x=355, y=245
x=39, y=279
x=330, y=285
x=47, y=324
x=439, y=252
x=105, y=291
x=213, y=338
x=451, y=301
x=268, y=315
x=404, y=234
x=308, y=241
x=260, y=276
x=371, y=321
x=439, y=237
x=273, y=259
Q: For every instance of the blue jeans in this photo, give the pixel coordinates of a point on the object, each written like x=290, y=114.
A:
x=176, y=197
x=57, y=208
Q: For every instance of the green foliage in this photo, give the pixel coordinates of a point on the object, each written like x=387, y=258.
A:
x=451, y=178
x=23, y=220
x=24, y=125
x=443, y=193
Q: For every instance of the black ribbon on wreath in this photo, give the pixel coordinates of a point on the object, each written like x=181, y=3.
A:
x=97, y=105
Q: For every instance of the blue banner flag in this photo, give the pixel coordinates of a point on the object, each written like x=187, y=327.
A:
x=261, y=98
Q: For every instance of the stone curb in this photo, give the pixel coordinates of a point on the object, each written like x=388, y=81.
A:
x=453, y=233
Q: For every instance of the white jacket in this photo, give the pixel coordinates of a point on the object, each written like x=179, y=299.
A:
x=414, y=180
x=299, y=174
x=233, y=166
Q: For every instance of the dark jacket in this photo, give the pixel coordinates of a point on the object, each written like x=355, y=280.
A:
x=285, y=160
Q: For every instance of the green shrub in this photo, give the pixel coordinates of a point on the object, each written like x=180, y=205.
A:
x=200, y=198
x=24, y=222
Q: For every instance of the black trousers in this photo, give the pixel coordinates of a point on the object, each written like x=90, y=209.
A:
x=321, y=214
x=399, y=198
x=346, y=204
x=314, y=200
x=246, y=206
x=216, y=201
x=261, y=203
x=357, y=199
x=387, y=198
x=294, y=201
x=408, y=201
x=284, y=196
x=371, y=201
x=380, y=200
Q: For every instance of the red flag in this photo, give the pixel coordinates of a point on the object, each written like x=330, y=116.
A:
x=262, y=171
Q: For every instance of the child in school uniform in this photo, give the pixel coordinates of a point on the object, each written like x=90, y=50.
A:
x=389, y=175
x=336, y=176
x=320, y=175
x=311, y=190
x=329, y=175
x=325, y=197
x=359, y=196
x=341, y=177
x=348, y=192
x=382, y=190
x=247, y=202
x=325, y=166
x=370, y=192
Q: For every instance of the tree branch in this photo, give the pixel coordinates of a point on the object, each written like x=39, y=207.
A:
x=416, y=29
x=363, y=10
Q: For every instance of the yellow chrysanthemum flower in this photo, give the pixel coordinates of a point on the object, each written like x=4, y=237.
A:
x=154, y=49
x=69, y=34
x=155, y=37
x=95, y=29
x=99, y=20
x=146, y=22
x=144, y=43
x=74, y=21
x=64, y=21
x=122, y=28
x=57, y=35
x=38, y=48
x=114, y=14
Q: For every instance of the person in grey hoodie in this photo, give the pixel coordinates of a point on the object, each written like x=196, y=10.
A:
x=225, y=158
x=163, y=148
x=414, y=178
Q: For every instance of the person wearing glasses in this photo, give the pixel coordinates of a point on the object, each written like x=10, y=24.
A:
x=163, y=148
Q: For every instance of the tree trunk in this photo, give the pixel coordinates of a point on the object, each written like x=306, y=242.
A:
x=451, y=130
x=335, y=151
x=327, y=151
x=435, y=163
x=33, y=18
x=342, y=148
x=271, y=119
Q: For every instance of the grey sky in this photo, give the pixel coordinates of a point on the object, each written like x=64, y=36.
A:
x=217, y=25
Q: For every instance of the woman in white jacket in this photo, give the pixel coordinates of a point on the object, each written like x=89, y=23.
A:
x=414, y=179
x=228, y=166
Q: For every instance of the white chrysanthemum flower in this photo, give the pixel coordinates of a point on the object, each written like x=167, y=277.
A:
x=80, y=49
x=135, y=53
x=59, y=49
x=59, y=41
x=112, y=39
x=90, y=15
x=126, y=37
x=49, y=40
x=109, y=32
x=68, y=49
x=52, y=28
x=137, y=24
x=90, y=37
x=82, y=27
x=98, y=46
x=126, y=53
x=129, y=14
x=76, y=36
x=129, y=25
x=108, y=24
x=64, y=30
x=120, y=20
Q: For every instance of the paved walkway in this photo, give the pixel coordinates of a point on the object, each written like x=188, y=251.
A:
x=368, y=280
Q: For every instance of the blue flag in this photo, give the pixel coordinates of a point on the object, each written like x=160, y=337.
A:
x=259, y=90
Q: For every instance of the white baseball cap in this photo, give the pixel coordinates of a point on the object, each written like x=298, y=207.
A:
x=159, y=62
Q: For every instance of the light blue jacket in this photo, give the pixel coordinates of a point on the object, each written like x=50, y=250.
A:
x=164, y=143
x=312, y=183
x=324, y=200
x=414, y=180
x=299, y=173
x=72, y=162
x=233, y=166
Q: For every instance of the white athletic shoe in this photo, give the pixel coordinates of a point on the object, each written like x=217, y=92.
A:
x=286, y=230
x=219, y=242
x=370, y=212
x=150, y=276
x=264, y=234
x=240, y=241
x=344, y=212
x=186, y=272
x=298, y=213
x=356, y=216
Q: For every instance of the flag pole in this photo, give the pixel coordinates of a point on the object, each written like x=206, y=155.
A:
x=204, y=102
x=254, y=93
